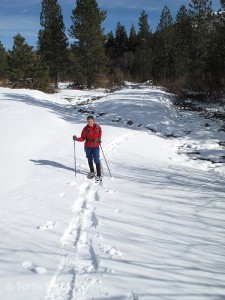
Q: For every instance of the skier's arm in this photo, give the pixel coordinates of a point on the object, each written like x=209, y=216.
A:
x=100, y=135
x=83, y=136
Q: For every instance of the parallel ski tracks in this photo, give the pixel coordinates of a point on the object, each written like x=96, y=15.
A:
x=78, y=256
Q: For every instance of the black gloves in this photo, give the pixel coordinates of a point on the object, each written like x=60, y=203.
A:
x=99, y=140
x=74, y=138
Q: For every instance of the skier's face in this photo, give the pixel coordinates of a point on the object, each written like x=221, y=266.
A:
x=90, y=122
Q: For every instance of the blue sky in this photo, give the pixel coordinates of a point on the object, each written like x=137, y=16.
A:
x=23, y=16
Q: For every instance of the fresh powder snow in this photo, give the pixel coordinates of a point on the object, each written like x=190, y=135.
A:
x=154, y=230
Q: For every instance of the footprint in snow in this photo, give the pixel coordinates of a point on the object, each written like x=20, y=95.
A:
x=48, y=225
x=33, y=268
x=109, y=271
x=110, y=250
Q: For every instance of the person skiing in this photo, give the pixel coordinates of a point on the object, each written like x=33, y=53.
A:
x=92, y=134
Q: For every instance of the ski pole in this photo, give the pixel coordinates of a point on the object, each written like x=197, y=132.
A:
x=75, y=163
x=105, y=161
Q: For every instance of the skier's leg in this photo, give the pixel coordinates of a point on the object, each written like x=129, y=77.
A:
x=98, y=168
x=96, y=155
x=89, y=156
x=91, y=165
x=97, y=160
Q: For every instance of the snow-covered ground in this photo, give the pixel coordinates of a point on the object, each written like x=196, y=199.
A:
x=155, y=230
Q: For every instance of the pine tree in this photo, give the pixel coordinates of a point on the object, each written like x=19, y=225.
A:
x=200, y=7
x=25, y=68
x=164, y=47
x=142, y=69
x=202, y=20
x=166, y=20
x=110, y=45
x=110, y=50
x=222, y=3
x=52, y=40
x=123, y=58
x=110, y=40
x=132, y=42
x=121, y=39
x=40, y=74
x=20, y=61
x=3, y=62
x=215, y=59
x=89, y=47
x=182, y=42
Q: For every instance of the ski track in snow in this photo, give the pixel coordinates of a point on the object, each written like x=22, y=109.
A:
x=73, y=277
x=114, y=145
x=79, y=259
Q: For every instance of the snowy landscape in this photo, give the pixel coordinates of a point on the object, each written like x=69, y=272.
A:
x=155, y=230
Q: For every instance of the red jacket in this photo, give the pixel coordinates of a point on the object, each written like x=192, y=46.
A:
x=91, y=135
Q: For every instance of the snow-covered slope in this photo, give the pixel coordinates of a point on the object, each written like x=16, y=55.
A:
x=154, y=231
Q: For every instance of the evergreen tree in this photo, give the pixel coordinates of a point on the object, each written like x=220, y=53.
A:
x=122, y=59
x=132, y=42
x=215, y=59
x=110, y=40
x=142, y=69
x=164, y=47
x=222, y=3
x=166, y=20
x=200, y=7
x=89, y=47
x=25, y=68
x=40, y=74
x=52, y=40
x=202, y=20
x=73, y=71
x=110, y=45
x=110, y=50
x=182, y=42
x=3, y=62
x=20, y=61
x=121, y=39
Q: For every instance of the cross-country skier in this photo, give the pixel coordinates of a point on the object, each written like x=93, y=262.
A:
x=91, y=134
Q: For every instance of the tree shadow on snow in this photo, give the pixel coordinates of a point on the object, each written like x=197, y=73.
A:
x=174, y=215
x=63, y=111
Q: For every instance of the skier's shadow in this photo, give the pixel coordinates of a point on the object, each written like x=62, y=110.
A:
x=46, y=163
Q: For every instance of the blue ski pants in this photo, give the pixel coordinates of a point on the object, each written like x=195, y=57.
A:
x=93, y=153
